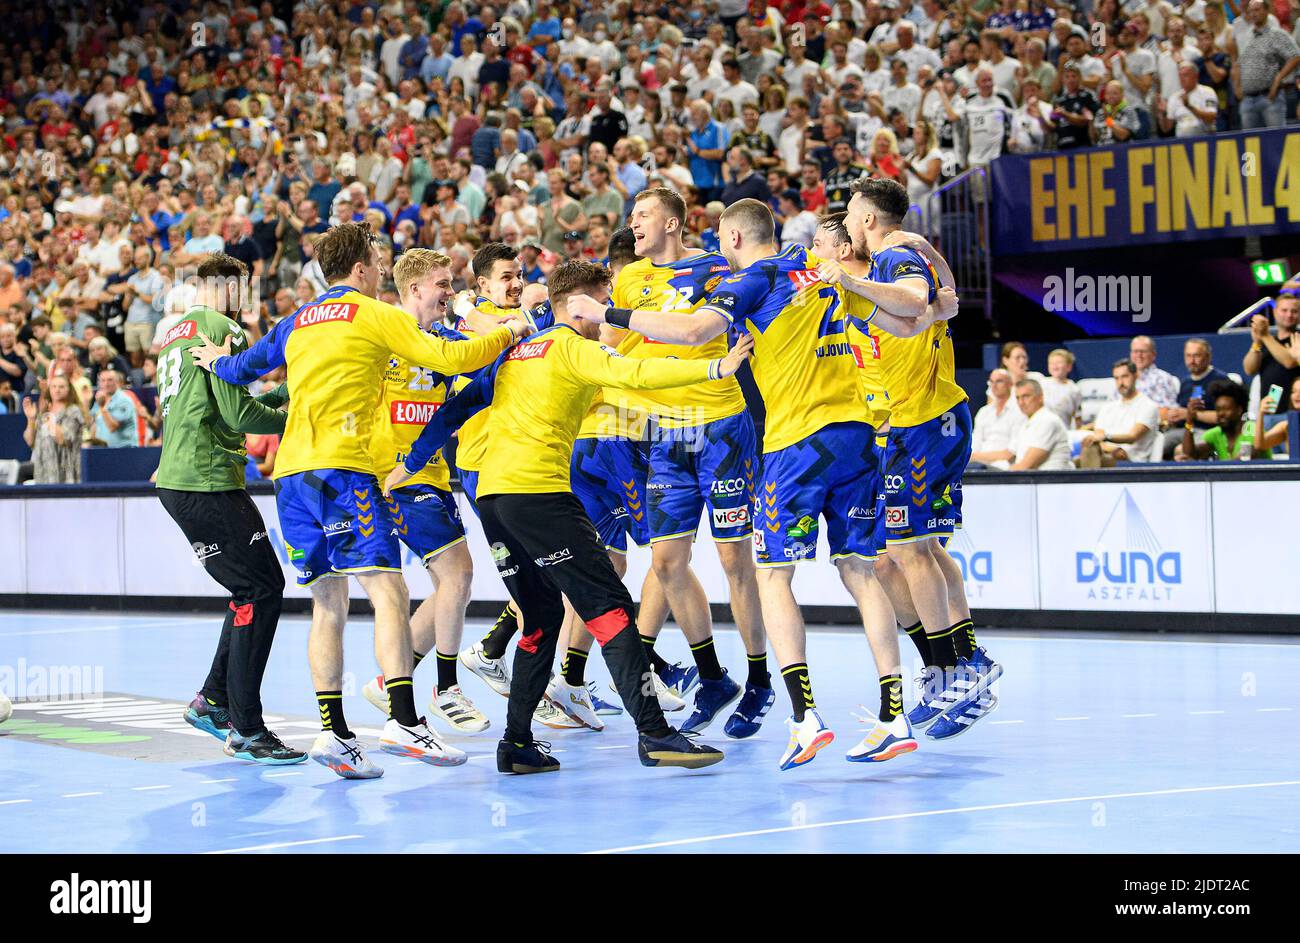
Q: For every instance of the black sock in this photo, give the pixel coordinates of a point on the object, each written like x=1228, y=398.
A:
x=574, y=667
x=917, y=634
x=943, y=648
x=891, y=697
x=758, y=674
x=499, y=636
x=706, y=659
x=331, y=713
x=965, y=638
x=401, y=701
x=655, y=661
x=446, y=671
x=416, y=658
x=799, y=688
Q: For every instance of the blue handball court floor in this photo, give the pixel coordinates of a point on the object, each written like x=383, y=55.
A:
x=1100, y=744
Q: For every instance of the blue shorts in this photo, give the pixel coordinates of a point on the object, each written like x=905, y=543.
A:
x=923, y=469
x=426, y=519
x=609, y=476
x=711, y=465
x=833, y=474
x=469, y=484
x=336, y=521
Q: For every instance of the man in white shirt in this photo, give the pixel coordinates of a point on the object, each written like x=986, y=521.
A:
x=1177, y=48
x=735, y=89
x=1193, y=108
x=988, y=121
x=914, y=54
x=1091, y=69
x=1042, y=442
x=1127, y=428
x=996, y=424
x=1005, y=69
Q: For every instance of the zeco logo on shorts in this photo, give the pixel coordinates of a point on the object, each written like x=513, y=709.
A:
x=407, y=413
x=896, y=518
x=181, y=332
x=727, y=486
x=893, y=483
x=802, y=278
x=730, y=517
x=330, y=311
x=529, y=351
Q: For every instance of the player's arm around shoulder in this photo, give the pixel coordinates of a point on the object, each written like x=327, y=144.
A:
x=604, y=366
x=398, y=331
x=236, y=406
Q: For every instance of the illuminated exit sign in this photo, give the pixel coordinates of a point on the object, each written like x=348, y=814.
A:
x=1270, y=272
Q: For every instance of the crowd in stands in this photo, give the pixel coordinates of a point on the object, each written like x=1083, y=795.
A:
x=1031, y=421
x=139, y=136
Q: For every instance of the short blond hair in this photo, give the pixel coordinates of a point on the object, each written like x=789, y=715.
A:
x=1062, y=352
x=414, y=264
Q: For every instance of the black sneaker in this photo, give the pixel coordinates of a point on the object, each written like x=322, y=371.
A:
x=676, y=749
x=532, y=757
x=264, y=747
x=209, y=718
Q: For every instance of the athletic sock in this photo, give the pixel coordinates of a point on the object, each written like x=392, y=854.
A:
x=401, y=701
x=799, y=688
x=965, y=638
x=706, y=659
x=331, y=713
x=416, y=658
x=758, y=673
x=655, y=661
x=891, y=697
x=446, y=671
x=943, y=648
x=499, y=636
x=922, y=642
x=574, y=667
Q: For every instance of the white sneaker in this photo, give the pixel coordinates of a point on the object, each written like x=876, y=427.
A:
x=668, y=699
x=457, y=712
x=549, y=714
x=376, y=694
x=883, y=741
x=419, y=743
x=574, y=701
x=345, y=757
x=807, y=736
x=494, y=671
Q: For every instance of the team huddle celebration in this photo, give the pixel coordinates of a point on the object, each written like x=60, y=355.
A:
x=609, y=412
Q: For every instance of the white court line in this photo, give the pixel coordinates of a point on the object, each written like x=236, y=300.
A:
x=1270, y=710
x=79, y=795
x=1073, y=718
x=101, y=628
x=918, y=815
x=292, y=772
x=616, y=746
x=213, y=782
x=148, y=788
x=285, y=844
x=14, y=801
x=1006, y=721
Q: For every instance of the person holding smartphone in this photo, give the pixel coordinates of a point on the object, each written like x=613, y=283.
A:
x=1278, y=433
x=1275, y=358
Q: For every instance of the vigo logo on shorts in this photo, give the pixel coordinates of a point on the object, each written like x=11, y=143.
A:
x=896, y=518
x=731, y=517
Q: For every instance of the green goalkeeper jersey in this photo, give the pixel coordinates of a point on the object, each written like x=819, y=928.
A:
x=204, y=417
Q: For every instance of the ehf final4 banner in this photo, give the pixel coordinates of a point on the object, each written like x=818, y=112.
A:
x=1225, y=186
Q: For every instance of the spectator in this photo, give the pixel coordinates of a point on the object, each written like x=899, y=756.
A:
x=1126, y=429
x=1197, y=357
x=1015, y=360
x=1159, y=386
x=1041, y=442
x=1134, y=67
x=1060, y=394
x=706, y=145
x=996, y=424
x=1074, y=110
x=1232, y=436
x=103, y=356
x=54, y=432
x=603, y=201
x=114, y=413
x=12, y=365
x=1276, y=360
x=798, y=226
x=741, y=181
x=145, y=287
x=1277, y=434
x=1116, y=121
x=1265, y=57
x=1193, y=109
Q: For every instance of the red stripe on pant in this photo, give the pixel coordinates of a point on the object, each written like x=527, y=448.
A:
x=528, y=641
x=243, y=614
x=605, y=627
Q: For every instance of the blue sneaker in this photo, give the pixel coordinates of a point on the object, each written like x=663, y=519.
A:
x=209, y=718
x=680, y=680
x=265, y=748
x=749, y=713
x=941, y=691
x=988, y=670
x=962, y=717
x=928, y=708
x=711, y=698
x=600, y=706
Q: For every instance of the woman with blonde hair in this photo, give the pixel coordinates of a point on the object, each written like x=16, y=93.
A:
x=885, y=159
x=54, y=432
x=923, y=169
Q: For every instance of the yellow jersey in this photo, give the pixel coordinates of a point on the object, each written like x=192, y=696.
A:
x=866, y=352
x=335, y=349
x=920, y=372
x=803, y=362
x=607, y=418
x=410, y=396
x=544, y=386
x=679, y=287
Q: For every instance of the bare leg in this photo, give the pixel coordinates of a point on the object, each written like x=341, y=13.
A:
x=737, y=558
x=453, y=573
x=329, y=613
x=387, y=593
x=877, y=613
x=682, y=588
x=894, y=583
x=958, y=606
x=781, y=615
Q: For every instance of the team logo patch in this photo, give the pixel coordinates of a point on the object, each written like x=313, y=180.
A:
x=802, y=278
x=731, y=517
x=896, y=518
x=181, y=332
x=863, y=514
x=719, y=268
x=529, y=351
x=404, y=412
x=760, y=541
x=551, y=559
x=712, y=283
x=322, y=313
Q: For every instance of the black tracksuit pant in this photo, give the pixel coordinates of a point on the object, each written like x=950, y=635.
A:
x=231, y=542
x=544, y=547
